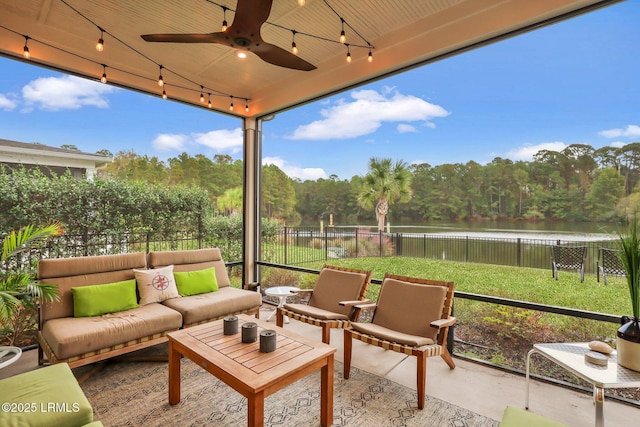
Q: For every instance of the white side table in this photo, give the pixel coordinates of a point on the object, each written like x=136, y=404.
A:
x=282, y=292
x=8, y=355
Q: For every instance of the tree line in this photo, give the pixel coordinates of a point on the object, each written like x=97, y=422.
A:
x=579, y=183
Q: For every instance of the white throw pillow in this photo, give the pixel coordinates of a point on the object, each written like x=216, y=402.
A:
x=156, y=285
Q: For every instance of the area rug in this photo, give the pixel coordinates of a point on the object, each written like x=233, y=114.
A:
x=135, y=394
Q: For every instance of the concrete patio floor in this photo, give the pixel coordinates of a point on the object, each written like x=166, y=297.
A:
x=481, y=389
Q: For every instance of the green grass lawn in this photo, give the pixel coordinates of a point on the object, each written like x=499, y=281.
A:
x=525, y=284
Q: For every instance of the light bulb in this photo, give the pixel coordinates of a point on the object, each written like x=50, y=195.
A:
x=343, y=38
x=100, y=45
x=224, y=26
x=246, y=106
x=25, y=51
x=201, y=94
x=160, y=79
x=103, y=79
x=349, y=57
x=209, y=105
x=224, y=18
x=231, y=105
x=370, y=58
x=241, y=54
x=301, y=2
x=164, y=94
x=294, y=48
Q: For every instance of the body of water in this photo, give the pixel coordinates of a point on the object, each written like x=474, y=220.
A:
x=567, y=231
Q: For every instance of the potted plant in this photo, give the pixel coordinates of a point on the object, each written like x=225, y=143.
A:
x=19, y=292
x=628, y=341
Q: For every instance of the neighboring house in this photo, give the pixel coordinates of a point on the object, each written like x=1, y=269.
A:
x=51, y=160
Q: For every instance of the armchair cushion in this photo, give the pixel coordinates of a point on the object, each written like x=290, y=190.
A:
x=315, y=312
x=391, y=335
x=334, y=286
x=409, y=308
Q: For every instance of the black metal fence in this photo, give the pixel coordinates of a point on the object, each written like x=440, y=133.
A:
x=298, y=245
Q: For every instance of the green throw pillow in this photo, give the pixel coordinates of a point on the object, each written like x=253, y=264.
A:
x=196, y=282
x=95, y=300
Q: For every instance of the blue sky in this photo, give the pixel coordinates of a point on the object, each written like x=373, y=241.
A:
x=576, y=82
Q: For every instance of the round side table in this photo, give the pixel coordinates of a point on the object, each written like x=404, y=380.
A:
x=8, y=355
x=282, y=292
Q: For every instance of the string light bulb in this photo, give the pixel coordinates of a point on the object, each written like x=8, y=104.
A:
x=294, y=48
x=164, y=94
x=25, y=51
x=301, y=2
x=231, y=105
x=160, y=79
x=100, y=44
x=201, y=94
x=209, y=105
x=224, y=18
x=343, y=37
x=103, y=79
x=348, y=54
x=246, y=105
x=370, y=57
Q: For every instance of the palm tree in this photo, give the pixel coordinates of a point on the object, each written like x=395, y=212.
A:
x=386, y=183
x=17, y=283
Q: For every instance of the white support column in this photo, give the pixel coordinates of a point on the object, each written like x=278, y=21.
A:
x=251, y=197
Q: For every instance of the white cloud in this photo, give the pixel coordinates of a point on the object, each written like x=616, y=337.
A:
x=166, y=142
x=405, y=128
x=631, y=131
x=221, y=140
x=65, y=93
x=527, y=151
x=294, y=171
x=618, y=144
x=6, y=103
x=366, y=113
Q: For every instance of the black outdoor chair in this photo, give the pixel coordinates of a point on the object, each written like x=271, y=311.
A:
x=568, y=258
x=609, y=264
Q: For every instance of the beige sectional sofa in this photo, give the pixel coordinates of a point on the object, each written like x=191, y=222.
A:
x=65, y=337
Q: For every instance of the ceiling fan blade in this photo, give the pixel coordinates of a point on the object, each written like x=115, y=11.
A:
x=184, y=38
x=277, y=56
x=249, y=17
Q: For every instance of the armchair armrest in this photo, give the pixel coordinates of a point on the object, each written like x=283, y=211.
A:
x=371, y=306
x=443, y=323
x=353, y=303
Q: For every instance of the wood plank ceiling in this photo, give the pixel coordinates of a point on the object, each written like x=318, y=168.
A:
x=404, y=34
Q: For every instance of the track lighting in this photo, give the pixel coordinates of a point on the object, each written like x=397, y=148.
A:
x=25, y=51
x=294, y=48
x=160, y=79
x=343, y=38
x=348, y=54
x=201, y=94
x=100, y=44
x=164, y=94
x=209, y=105
x=224, y=18
x=231, y=105
x=103, y=79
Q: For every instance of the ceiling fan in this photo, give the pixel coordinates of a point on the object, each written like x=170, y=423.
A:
x=244, y=34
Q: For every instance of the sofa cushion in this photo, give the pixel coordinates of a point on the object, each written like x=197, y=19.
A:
x=196, y=282
x=95, y=300
x=190, y=260
x=214, y=305
x=52, y=392
x=73, y=336
x=156, y=285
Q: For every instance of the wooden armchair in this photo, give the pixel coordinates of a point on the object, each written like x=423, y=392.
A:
x=413, y=317
x=335, y=285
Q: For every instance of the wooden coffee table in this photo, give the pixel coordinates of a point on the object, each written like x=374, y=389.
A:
x=244, y=368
